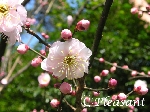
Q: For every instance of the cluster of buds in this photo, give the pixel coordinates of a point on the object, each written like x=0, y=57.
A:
x=36, y=62
x=44, y=35
x=22, y=48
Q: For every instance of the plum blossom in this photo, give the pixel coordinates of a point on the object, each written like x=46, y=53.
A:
x=140, y=87
x=12, y=17
x=67, y=59
x=44, y=79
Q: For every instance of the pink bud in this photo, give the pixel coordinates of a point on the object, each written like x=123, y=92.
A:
x=97, y=78
x=36, y=62
x=66, y=34
x=54, y=103
x=131, y=107
x=69, y=19
x=46, y=36
x=134, y=10
x=148, y=7
x=4, y=81
x=43, y=34
x=87, y=99
x=83, y=25
x=43, y=79
x=101, y=60
x=142, y=73
x=114, y=97
x=73, y=93
x=104, y=73
x=34, y=110
x=121, y=96
x=95, y=93
x=113, y=69
x=84, y=110
x=125, y=67
x=65, y=88
x=133, y=73
x=43, y=52
x=57, y=85
x=41, y=110
x=112, y=83
x=148, y=73
x=27, y=24
x=22, y=48
x=115, y=64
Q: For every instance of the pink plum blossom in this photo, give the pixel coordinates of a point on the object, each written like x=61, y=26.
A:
x=121, y=96
x=95, y=93
x=66, y=34
x=13, y=16
x=54, y=103
x=83, y=25
x=67, y=59
x=22, y=48
x=44, y=79
x=114, y=97
x=65, y=88
x=87, y=99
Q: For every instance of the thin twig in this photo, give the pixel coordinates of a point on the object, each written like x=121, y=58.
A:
x=91, y=89
x=72, y=107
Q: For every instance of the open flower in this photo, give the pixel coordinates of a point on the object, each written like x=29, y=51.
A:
x=67, y=59
x=12, y=16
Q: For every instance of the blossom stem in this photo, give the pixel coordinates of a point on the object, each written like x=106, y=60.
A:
x=130, y=93
x=73, y=108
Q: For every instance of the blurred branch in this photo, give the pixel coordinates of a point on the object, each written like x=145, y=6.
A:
x=100, y=28
x=73, y=108
x=25, y=2
x=97, y=90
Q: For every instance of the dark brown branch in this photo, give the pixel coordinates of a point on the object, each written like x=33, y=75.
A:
x=35, y=35
x=25, y=2
x=100, y=28
x=73, y=108
x=136, y=77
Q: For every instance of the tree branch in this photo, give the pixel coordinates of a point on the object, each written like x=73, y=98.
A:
x=100, y=28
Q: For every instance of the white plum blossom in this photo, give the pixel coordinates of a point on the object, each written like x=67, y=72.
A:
x=12, y=16
x=67, y=59
x=140, y=83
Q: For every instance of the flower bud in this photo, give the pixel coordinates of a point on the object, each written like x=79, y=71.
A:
x=97, y=78
x=141, y=90
x=66, y=34
x=36, y=62
x=83, y=25
x=104, y=73
x=112, y=83
x=73, y=93
x=43, y=52
x=148, y=73
x=133, y=73
x=134, y=10
x=57, y=85
x=69, y=20
x=122, y=96
x=114, y=97
x=84, y=110
x=46, y=36
x=27, y=24
x=95, y=93
x=54, y=103
x=87, y=99
x=22, y=48
x=131, y=107
x=4, y=81
x=113, y=69
x=43, y=79
x=101, y=60
x=65, y=88
x=125, y=67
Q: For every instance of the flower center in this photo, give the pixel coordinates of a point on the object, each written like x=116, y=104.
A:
x=69, y=60
x=3, y=9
